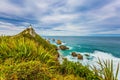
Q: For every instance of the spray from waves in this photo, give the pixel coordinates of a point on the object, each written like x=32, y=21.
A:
x=70, y=47
x=63, y=43
x=97, y=54
x=107, y=56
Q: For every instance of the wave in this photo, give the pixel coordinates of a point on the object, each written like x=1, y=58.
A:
x=70, y=47
x=63, y=43
x=107, y=56
x=96, y=54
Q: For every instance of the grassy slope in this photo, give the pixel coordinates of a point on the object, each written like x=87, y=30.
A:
x=24, y=57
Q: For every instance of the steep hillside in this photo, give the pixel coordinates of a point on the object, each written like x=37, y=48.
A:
x=32, y=35
x=27, y=56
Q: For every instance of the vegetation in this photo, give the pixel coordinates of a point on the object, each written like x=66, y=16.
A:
x=26, y=57
x=106, y=71
x=77, y=69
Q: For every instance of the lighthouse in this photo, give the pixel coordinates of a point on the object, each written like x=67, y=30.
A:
x=31, y=31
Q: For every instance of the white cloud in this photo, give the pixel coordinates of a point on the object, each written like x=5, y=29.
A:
x=33, y=8
x=6, y=6
x=10, y=29
x=98, y=16
x=73, y=22
x=59, y=18
x=116, y=31
x=74, y=29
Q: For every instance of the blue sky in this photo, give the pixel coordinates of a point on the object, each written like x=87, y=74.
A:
x=61, y=17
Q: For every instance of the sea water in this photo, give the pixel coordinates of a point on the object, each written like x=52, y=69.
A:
x=104, y=48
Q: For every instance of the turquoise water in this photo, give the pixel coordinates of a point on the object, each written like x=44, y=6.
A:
x=104, y=48
x=110, y=45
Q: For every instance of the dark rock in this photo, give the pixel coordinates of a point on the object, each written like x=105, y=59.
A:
x=79, y=56
x=87, y=55
x=59, y=42
x=62, y=47
x=74, y=54
x=53, y=39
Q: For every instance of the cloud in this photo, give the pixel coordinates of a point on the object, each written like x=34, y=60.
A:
x=59, y=18
x=56, y=17
x=104, y=13
x=10, y=29
x=115, y=31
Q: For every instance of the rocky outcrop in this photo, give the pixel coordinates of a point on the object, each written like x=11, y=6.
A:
x=87, y=55
x=62, y=47
x=53, y=40
x=79, y=56
x=59, y=42
x=74, y=54
x=29, y=31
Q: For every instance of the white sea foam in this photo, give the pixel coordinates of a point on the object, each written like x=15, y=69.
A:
x=63, y=43
x=97, y=54
x=107, y=56
x=70, y=47
x=85, y=61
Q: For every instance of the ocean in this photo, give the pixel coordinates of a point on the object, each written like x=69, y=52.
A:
x=104, y=48
x=110, y=45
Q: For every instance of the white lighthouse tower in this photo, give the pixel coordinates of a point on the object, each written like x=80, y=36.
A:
x=31, y=31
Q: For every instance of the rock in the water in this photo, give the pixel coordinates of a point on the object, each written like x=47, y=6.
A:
x=87, y=55
x=74, y=54
x=59, y=42
x=79, y=56
x=53, y=39
x=62, y=47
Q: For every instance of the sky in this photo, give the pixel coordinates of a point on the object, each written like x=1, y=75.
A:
x=61, y=17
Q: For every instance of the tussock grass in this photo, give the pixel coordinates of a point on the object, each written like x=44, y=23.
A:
x=23, y=57
x=106, y=71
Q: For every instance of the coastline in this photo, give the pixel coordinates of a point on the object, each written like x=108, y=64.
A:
x=35, y=54
x=93, y=61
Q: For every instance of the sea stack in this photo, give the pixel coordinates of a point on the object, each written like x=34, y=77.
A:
x=74, y=54
x=59, y=42
x=53, y=39
x=62, y=47
x=79, y=56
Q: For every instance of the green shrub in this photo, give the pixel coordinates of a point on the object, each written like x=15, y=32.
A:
x=24, y=50
x=24, y=57
x=32, y=70
x=106, y=72
x=69, y=67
